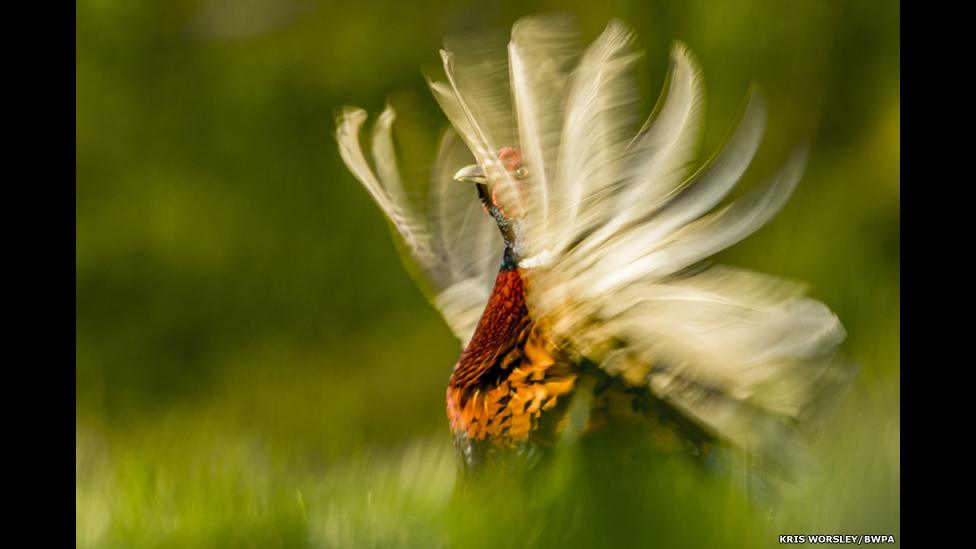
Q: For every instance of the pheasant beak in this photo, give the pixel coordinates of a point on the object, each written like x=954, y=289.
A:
x=471, y=174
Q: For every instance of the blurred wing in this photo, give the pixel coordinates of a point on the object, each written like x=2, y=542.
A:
x=477, y=98
x=542, y=53
x=446, y=242
x=745, y=355
x=600, y=117
x=621, y=228
x=465, y=237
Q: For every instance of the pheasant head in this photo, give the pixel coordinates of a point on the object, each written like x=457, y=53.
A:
x=502, y=195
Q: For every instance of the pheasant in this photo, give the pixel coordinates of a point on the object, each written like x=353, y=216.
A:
x=587, y=280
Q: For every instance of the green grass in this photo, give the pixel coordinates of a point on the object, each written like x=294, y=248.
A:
x=187, y=480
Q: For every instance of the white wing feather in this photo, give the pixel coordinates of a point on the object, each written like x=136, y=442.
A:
x=541, y=52
x=455, y=247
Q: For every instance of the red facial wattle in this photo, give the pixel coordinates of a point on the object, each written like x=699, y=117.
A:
x=511, y=159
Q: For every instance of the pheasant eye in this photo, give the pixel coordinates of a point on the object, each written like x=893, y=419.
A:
x=511, y=158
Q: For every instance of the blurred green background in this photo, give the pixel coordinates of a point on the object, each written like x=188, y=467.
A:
x=256, y=369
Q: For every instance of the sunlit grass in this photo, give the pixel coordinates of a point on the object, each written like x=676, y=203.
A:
x=189, y=480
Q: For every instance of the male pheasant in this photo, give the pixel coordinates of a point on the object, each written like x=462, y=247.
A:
x=602, y=296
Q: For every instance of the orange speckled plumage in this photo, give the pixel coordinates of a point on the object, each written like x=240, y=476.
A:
x=512, y=386
x=508, y=375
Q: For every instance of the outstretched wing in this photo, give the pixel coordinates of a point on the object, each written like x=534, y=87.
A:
x=616, y=230
x=450, y=247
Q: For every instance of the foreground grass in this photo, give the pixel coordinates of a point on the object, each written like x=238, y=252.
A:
x=176, y=492
x=188, y=480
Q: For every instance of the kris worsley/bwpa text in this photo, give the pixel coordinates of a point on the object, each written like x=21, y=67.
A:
x=831, y=539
